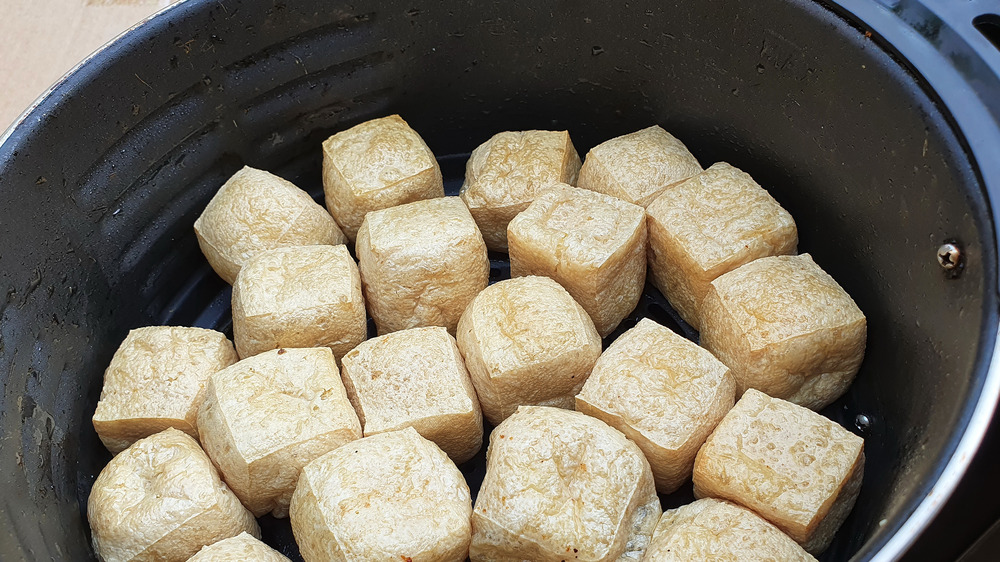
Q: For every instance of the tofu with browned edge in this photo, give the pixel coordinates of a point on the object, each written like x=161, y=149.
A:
x=267, y=416
x=306, y=296
x=391, y=496
x=416, y=378
x=663, y=392
x=708, y=225
x=592, y=244
x=561, y=485
x=375, y=165
x=421, y=264
x=162, y=499
x=157, y=380
x=794, y=467
x=256, y=210
x=505, y=174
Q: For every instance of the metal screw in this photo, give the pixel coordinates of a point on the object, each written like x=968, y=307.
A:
x=862, y=422
x=949, y=256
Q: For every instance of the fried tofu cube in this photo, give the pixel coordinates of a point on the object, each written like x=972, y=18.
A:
x=527, y=342
x=792, y=466
x=157, y=380
x=256, y=210
x=306, y=296
x=421, y=264
x=710, y=529
x=375, y=165
x=416, y=378
x=161, y=499
x=786, y=328
x=506, y=173
x=241, y=548
x=638, y=166
x=265, y=417
x=391, y=496
x=708, y=225
x=663, y=392
x=592, y=244
x=562, y=485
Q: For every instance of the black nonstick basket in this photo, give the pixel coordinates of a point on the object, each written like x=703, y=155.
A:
x=875, y=123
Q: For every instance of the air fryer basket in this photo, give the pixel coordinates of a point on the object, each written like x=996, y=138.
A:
x=101, y=182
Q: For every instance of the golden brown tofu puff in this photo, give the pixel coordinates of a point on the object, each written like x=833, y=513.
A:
x=720, y=531
x=256, y=210
x=792, y=466
x=527, y=342
x=162, y=499
x=562, y=485
x=663, y=392
x=592, y=244
x=416, y=378
x=376, y=165
x=421, y=264
x=391, y=496
x=265, y=417
x=306, y=296
x=156, y=380
x=708, y=225
x=241, y=548
x=786, y=328
x=638, y=166
x=506, y=173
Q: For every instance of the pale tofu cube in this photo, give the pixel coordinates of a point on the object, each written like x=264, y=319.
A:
x=265, y=417
x=306, y=296
x=663, y=392
x=241, y=548
x=592, y=244
x=421, y=264
x=561, y=485
x=416, y=378
x=792, y=466
x=391, y=496
x=710, y=529
x=638, y=166
x=157, y=380
x=161, y=499
x=256, y=210
x=708, y=225
x=376, y=165
x=786, y=328
x=527, y=342
x=506, y=173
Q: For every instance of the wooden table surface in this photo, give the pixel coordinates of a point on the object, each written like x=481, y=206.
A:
x=43, y=39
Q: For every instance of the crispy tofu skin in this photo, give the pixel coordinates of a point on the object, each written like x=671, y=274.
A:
x=527, y=342
x=391, y=496
x=592, y=244
x=241, y=548
x=717, y=530
x=663, y=392
x=638, y=166
x=794, y=467
x=421, y=264
x=256, y=210
x=306, y=296
x=265, y=417
x=708, y=225
x=157, y=380
x=376, y=165
x=561, y=485
x=786, y=328
x=416, y=378
x=161, y=499
x=506, y=173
